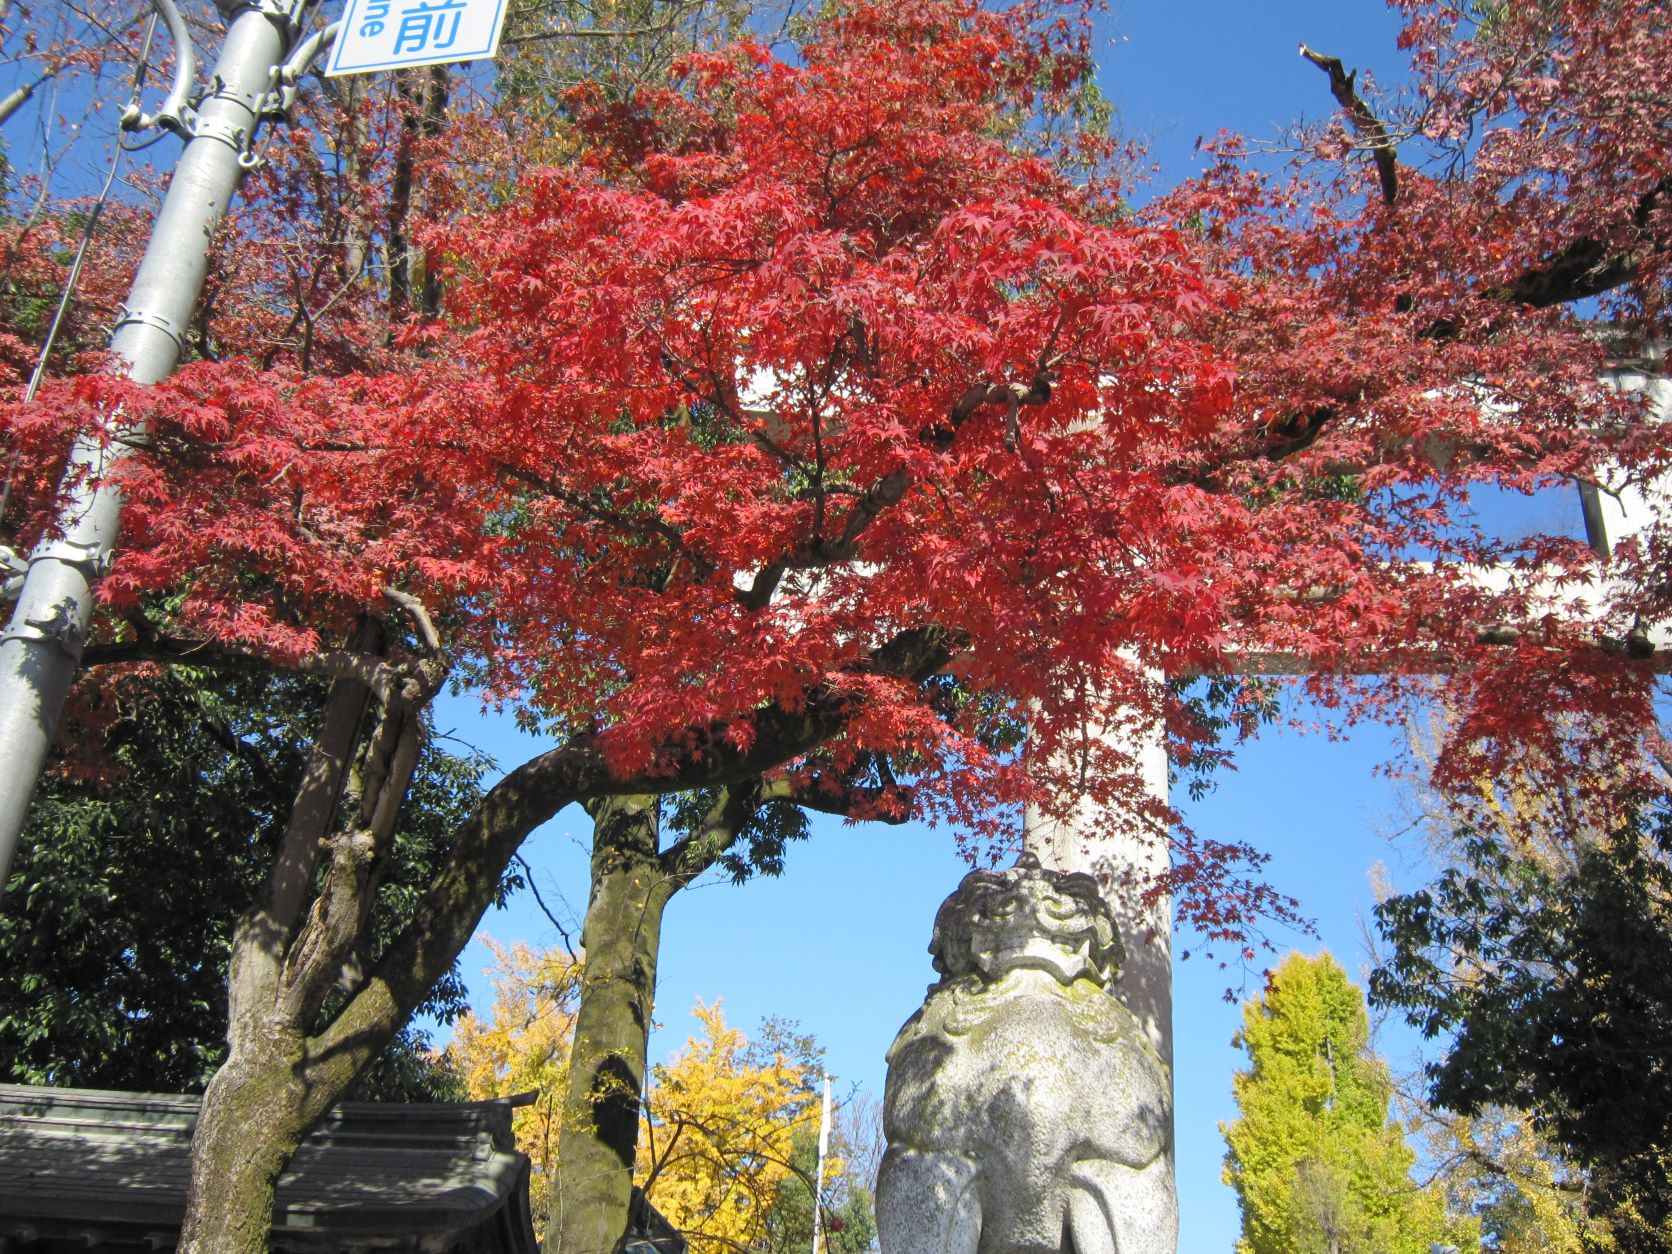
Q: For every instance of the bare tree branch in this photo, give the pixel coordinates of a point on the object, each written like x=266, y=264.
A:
x=551, y=916
x=891, y=488
x=1344, y=87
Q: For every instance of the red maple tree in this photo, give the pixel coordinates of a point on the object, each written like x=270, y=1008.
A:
x=818, y=426
x=1431, y=303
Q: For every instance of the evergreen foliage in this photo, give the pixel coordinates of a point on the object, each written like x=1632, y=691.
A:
x=1556, y=984
x=117, y=924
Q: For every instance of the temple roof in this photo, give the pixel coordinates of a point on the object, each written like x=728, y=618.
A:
x=86, y=1168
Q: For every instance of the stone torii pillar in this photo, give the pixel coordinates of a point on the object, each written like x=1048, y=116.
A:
x=1123, y=869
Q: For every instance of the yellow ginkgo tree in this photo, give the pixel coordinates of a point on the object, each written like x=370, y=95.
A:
x=729, y=1129
x=717, y=1145
x=521, y=1046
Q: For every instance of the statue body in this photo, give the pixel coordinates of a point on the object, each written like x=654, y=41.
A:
x=1026, y=1110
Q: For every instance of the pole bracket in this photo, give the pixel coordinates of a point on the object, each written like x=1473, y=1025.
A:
x=84, y=557
x=281, y=94
x=233, y=134
x=220, y=89
x=288, y=11
x=59, y=628
x=14, y=568
x=291, y=12
x=144, y=318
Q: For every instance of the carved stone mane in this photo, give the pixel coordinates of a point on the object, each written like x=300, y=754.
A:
x=1026, y=1112
x=1025, y=917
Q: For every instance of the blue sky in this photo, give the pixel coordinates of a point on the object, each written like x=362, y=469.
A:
x=1188, y=69
x=839, y=943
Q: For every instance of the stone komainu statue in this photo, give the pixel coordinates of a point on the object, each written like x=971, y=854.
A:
x=1026, y=1112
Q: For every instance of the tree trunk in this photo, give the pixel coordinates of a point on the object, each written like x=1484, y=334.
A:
x=255, y=1112
x=347, y=92
x=633, y=879
x=424, y=94
x=621, y=936
x=288, y=953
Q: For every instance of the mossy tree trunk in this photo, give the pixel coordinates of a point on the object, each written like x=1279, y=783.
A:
x=255, y=1113
x=633, y=880
x=622, y=937
x=292, y=949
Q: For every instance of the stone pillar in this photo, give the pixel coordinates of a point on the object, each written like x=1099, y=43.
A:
x=1122, y=868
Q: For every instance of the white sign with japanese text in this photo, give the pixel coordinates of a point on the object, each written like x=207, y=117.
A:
x=392, y=34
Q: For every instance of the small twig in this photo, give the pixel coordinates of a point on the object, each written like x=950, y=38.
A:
x=528, y=878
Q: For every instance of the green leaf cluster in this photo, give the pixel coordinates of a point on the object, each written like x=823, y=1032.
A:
x=760, y=844
x=116, y=925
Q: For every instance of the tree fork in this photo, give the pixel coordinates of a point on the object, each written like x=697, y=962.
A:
x=277, y=1082
x=633, y=880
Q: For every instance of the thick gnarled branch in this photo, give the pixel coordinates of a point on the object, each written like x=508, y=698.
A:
x=735, y=804
x=576, y=771
x=1587, y=267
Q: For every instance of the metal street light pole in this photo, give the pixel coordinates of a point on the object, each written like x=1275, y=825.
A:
x=41, y=648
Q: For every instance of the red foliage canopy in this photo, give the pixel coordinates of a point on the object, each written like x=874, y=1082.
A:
x=807, y=362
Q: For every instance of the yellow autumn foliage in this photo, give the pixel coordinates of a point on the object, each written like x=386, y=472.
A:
x=723, y=1117
x=523, y=1046
x=1497, y=1164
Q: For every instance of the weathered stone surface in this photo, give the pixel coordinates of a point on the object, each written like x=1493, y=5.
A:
x=1026, y=1110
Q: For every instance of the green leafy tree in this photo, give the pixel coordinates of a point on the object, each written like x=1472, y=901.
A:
x=1554, y=982
x=1317, y=1166
x=117, y=924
